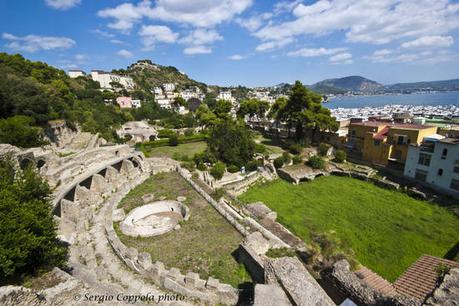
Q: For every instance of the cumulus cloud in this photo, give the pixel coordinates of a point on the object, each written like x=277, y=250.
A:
x=341, y=58
x=254, y=22
x=236, y=57
x=374, y=22
x=429, y=42
x=399, y=56
x=197, y=50
x=199, y=13
x=270, y=45
x=62, y=4
x=33, y=43
x=152, y=34
x=125, y=53
x=311, y=52
x=200, y=39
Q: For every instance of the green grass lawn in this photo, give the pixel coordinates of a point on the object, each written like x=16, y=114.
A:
x=203, y=244
x=386, y=230
x=188, y=149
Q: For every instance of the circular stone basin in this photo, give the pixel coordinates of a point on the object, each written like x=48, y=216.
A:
x=154, y=219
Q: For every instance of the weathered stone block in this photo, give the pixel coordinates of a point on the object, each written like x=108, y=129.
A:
x=212, y=283
x=144, y=260
x=191, y=279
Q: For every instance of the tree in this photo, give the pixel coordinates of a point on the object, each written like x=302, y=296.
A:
x=28, y=238
x=179, y=101
x=205, y=117
x=303, y=110
x=18, y=131
x=253, y=107
x=231, y=142
x=222, y=109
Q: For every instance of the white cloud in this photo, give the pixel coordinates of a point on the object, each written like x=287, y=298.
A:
x=311, y=52
x=103, y=33
x=429, y=42
x=266, y=46
x=117, y=41
x=426, y=56
x=62, y=4
x=152, y=34
x=375, y=22
x=202, y=37
x=199, y=13
x=81, y=57
x=236, y=57
x=255, y=22
x=125, y=53
x=343, y=58
x=197, y=50
x=33, y=43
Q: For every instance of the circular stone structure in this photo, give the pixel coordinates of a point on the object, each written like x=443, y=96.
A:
x=154, y=219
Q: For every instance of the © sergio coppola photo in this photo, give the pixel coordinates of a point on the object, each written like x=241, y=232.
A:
x=229, y=152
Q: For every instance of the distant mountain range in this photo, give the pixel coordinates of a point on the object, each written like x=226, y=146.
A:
x=359, y=84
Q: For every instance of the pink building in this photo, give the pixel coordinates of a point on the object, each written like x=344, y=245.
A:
x=124, y=102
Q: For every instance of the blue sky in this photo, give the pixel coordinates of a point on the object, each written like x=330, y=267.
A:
x=247, y=42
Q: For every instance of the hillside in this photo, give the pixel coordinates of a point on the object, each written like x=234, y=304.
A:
x=146, y=74
x=350, y=83
x=446, y=85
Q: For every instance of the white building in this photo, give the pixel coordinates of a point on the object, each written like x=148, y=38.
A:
x=140, y=131
x=164, y=102
x=136, y=103
x=435, y=163
x=225, y=95
x=105, y=78
x=76, y=73
x=169, y=87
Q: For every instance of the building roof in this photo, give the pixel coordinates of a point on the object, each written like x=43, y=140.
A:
x=420, y=279
x=450, y=140
x=76, y=70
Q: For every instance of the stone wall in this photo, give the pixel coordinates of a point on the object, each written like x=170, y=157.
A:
x=191, y=285
x=350, y=285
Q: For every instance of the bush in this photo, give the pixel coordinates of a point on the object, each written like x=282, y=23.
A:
x=297, y=159
x=218, y=194
x=201, y=167
x=295, y=148
x=253, y=165
x=287, y=157
x=204, y=157
x=279, y=162
x=260, y=148
x=233, y=169
x=323, y=149
x=340, y=156
x=173, y=140
x=19, y=131
x=316, y=162
x=165, y=133
x=218, y=170
x=189, y=132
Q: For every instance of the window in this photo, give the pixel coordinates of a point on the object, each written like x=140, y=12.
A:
x=444, y=153
x=440, y=172
x=454, y=184
x=421, y=175
x=376, y=142
x=424, y=159
x=456, y=166
x=353, y=132
x=401, y=140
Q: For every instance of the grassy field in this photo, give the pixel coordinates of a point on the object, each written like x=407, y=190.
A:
x=386, y=230
x=188, y=149
x=271, y=147
x=203, y=244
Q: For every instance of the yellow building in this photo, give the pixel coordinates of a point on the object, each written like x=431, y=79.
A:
x=383, y=143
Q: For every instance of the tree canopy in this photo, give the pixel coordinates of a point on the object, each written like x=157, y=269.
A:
x=303, y=110
x=28, y=240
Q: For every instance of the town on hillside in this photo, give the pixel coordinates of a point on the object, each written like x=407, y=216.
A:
x=142, y=185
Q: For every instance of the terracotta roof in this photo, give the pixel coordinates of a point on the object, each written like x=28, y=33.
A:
x=375, y=281
x=420, y=279
x=382, y=134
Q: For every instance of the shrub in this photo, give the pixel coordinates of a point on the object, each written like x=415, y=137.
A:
x=340, y=156
x=260, y=148
x=297, y=159
x=279, y=162
x=316, y=162
x=323, y=149
x=173, y=140
x=287, y=157
x=218, y=170
x=165, y=133
x=201, y=167
x=189, y=132
x=253, y=165
x=204, y=157
x=233, y=169
x=295, y=148
x=217, y=194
